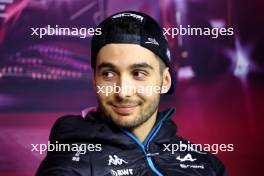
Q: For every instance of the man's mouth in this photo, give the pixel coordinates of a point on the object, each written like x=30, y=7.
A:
x=124, y=109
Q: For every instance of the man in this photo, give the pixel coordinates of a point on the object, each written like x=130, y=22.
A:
x=126, y=135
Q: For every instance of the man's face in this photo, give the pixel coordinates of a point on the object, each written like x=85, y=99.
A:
x=124, y=74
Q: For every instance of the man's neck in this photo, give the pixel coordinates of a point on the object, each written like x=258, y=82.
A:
x=142, y=131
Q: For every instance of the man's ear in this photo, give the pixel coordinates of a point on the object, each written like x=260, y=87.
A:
x=166, y=81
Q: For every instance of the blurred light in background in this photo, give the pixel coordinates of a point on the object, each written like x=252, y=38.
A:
x=241, y=62
x=185, y=73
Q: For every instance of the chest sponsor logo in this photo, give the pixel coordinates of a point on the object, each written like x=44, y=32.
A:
x=115, y=160
x=192, y=166
x=79, y=152
x=187, y=157
x=121, y=172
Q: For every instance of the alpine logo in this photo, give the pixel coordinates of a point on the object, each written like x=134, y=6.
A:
x=152, y=41
x=187, y=157
x=115, y=160
x=122, y=172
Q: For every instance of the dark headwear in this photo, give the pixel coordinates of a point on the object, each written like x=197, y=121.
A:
x=136, y=28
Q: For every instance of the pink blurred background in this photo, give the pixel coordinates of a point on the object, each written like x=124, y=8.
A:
x=220, y=82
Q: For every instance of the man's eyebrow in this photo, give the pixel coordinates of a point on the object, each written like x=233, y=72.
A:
x=105, y=65
x=141, y=65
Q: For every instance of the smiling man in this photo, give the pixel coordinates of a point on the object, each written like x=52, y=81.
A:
x=126, y=135
x=132, y=68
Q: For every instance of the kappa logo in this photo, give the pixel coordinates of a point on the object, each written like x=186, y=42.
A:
x=122, y=172
x=115, y=160
x=187, y=157
x=152, y=41
x=79, y=152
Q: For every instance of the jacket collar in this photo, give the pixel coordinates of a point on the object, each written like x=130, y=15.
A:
x=110, y=134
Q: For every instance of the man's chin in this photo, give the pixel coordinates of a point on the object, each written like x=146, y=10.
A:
x=126, y=124
x=124, y=121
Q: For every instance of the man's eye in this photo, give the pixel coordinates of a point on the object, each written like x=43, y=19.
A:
x=108, y=74
x=140, y=74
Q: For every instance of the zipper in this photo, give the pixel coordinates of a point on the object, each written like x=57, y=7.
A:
x=145, y=146
x=142, y=147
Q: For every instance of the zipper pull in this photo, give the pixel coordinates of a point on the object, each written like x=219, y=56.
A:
x=152, y=154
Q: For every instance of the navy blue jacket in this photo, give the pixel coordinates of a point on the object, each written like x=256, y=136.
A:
x=117, y=152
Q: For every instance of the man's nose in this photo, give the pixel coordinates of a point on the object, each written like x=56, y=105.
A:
x=126, y=87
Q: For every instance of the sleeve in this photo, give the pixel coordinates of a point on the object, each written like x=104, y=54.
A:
x=218, y=165
x=59, y=163
x=221, y=170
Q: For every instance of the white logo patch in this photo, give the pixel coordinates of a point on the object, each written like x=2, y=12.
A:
x=122, y=172
x=152, y=41
x=138, y=17
x=186, y=166
x=79, y=152
x=115, y=160
x=187, y=157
